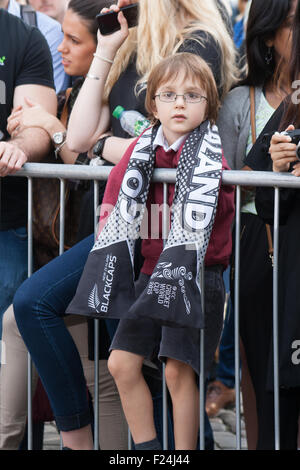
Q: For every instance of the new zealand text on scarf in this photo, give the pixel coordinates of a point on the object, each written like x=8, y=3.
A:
x=173, y=294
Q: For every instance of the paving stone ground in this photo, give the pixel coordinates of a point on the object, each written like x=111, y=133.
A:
x=223, y=425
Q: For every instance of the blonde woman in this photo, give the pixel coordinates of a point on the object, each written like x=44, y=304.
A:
x=121, y=65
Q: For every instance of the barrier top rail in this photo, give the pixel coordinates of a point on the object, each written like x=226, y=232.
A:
x=166, y=175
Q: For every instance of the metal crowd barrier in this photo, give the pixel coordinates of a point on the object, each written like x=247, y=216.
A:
x=166, y=176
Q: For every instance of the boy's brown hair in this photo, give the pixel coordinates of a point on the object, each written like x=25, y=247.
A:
x=195, y=68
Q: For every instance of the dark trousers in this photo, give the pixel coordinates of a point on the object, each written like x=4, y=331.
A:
x=256, y=326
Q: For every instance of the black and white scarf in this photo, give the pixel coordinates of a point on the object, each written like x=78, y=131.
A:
x=173, y=294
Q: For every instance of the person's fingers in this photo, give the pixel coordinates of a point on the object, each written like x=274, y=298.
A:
x=14, y=115
x=290, y=128
x=12, y=126
x=18, y=162
x=282, y=147
x=11, y=159
x=16, y=132
x=285, y=159
x=123, y=22
x=17, y=108
x=296, y=169
x=5, y=161
x=278, y=138
x=114, y=7
x=30, y=102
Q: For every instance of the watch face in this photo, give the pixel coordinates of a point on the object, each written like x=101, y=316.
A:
x=58, y=138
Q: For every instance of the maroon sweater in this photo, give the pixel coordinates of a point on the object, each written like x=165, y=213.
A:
x=219, y=248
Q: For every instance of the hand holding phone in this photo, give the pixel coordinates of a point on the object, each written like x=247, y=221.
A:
x=108, y=22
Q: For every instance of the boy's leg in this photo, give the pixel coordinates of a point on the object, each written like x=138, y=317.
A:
x=181, y=382
x=126, y=368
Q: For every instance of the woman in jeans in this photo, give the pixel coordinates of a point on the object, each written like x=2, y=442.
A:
x=77, y=48
x=194, y=26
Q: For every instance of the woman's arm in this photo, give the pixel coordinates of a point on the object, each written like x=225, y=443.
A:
x=90, y=116
x=114, y=148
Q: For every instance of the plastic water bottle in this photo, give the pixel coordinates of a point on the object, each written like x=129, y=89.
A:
x=133, y=122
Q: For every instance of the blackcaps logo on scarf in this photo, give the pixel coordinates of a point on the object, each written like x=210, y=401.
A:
x=101, y=305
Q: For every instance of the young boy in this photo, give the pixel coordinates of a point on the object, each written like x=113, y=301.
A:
x=182, y=100
x=181, y=94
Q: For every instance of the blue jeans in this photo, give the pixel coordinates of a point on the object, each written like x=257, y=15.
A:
x=13, y=266
x=39, y=306
x=225, y=368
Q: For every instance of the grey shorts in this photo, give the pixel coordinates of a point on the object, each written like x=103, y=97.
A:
x=152, y=341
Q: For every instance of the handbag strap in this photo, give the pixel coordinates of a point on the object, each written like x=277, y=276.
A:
x=253, y=132
x=64, y=120
x=64, y=114
x=252, y=114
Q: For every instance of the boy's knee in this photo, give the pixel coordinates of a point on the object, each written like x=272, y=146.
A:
x=176, y=372
x=113, y=365
x=172, y=373
x=123, y=367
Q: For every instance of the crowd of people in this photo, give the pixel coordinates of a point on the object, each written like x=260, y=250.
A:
x=212, y=84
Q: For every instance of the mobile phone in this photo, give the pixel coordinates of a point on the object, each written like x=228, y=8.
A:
x=108, y=22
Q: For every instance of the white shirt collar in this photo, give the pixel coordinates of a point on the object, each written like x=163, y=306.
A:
x=161, y=141
x=14, y=8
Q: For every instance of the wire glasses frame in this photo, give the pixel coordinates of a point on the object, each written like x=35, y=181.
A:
x=171, y=97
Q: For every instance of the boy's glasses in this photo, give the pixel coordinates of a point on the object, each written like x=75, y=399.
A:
x=171, y=96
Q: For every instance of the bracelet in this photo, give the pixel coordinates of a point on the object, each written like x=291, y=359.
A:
x=103, y=58
x=94, y=77
x=97, y=161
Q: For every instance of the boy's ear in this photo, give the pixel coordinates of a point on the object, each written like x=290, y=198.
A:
x=154, y=109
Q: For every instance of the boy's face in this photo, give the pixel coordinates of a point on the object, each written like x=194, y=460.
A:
x=180, y=116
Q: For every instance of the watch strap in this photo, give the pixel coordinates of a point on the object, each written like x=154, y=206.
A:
x=99, y=146
x=58, y=149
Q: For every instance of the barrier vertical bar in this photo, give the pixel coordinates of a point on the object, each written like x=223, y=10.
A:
x=96, y=338
x=62, y=234
x=62, y=216
x=237, y=316
x=202, y=371
x=165, y=232
x=29, y=361
x=275, y=319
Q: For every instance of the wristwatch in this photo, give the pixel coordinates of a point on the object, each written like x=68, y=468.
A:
x=99, y=146
x=59, y=137
x=59, y=140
